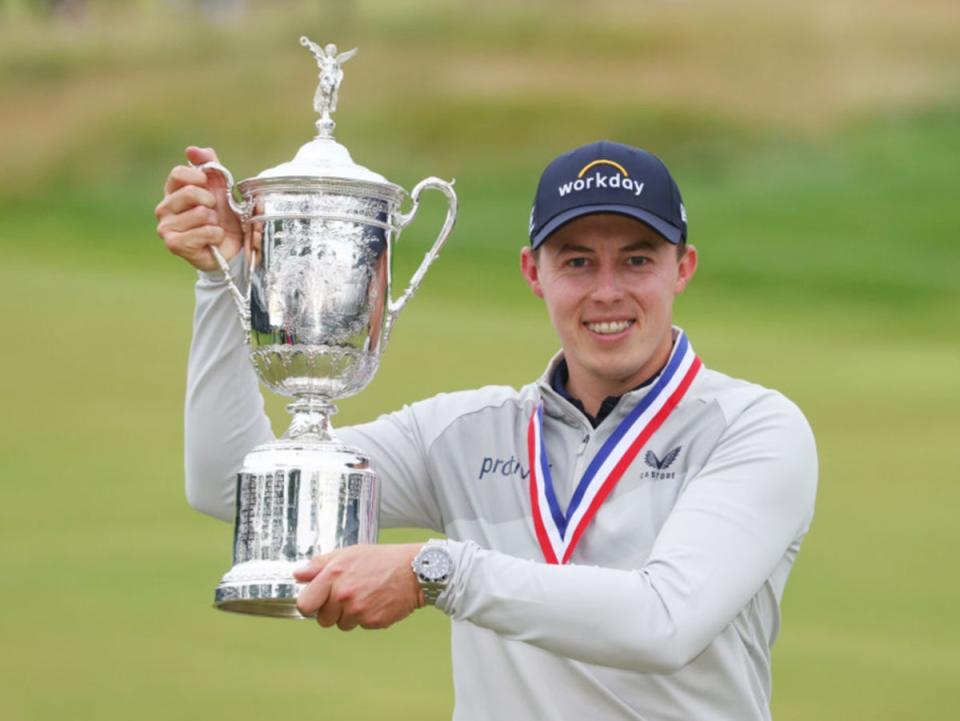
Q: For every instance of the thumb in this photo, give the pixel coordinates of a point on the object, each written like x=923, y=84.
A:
x=307, y=571
x=199, y=156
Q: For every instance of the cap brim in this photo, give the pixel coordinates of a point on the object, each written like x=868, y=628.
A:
x=671, y=233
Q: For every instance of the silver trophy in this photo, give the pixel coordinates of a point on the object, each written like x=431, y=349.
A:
x=316, y=310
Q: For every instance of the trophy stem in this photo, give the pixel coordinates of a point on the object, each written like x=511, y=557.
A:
x=311, y=419
x=325, y=127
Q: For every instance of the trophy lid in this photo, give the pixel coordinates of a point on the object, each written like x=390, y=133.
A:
x=324, y=157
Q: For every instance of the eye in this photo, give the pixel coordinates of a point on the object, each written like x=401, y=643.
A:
x=638, y=260
x=576, y=262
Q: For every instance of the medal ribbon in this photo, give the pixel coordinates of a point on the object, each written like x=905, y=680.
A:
x=558, y=533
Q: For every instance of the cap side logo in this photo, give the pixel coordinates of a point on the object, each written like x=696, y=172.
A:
x=616, y=165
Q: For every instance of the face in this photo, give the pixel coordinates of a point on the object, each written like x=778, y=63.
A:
x=609, y=282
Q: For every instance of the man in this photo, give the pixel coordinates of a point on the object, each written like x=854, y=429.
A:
x=620, y=531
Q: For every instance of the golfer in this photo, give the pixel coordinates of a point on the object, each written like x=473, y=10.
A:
x=618, y=533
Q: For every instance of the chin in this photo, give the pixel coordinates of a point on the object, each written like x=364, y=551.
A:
x=622, y=365
x=614, y=373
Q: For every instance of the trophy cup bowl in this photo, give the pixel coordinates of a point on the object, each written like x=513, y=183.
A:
x=316, y=312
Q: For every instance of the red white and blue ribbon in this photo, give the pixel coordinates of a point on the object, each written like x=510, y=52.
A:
x=557, y=532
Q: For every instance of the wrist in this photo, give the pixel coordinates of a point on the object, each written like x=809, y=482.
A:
x=214, y=276
x=433, y=568
x=409, y=558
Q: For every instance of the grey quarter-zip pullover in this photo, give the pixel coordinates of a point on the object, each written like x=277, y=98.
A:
x=669, y=606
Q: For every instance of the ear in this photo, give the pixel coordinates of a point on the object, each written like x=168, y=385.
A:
x=686, y=267
x=531, y=273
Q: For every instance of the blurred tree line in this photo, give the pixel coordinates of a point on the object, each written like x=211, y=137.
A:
x=80, y=10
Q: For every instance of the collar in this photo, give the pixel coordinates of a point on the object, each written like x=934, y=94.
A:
x=559, y=379
x=553, y=387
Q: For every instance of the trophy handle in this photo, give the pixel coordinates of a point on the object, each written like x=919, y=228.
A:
x=395, y=306
x=240, y=208
x=241, y=299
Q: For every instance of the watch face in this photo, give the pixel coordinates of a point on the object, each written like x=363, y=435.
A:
x=434, y=564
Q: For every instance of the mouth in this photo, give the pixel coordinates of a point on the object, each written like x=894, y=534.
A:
x=608, y=327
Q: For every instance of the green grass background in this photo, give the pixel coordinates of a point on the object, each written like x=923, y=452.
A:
x=817, y=148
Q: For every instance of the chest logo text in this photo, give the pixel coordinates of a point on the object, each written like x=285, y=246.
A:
x=503, y=467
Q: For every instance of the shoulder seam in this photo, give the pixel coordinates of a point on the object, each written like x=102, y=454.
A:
x=486, y=406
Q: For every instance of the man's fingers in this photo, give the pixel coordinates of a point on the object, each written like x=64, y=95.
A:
x=184, y=175
x=192, y=244
x=195, y=213
x=306, y=573
x=347, y=623
x=184, y=199
x=253, y=235
x=330, y=613
x=314, y=595
x=195, y=217
x=198, y=155
x=309, y=570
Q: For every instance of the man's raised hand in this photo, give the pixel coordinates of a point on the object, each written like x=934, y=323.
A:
x=195, y=214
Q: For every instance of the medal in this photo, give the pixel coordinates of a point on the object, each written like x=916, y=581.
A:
x=557, y=532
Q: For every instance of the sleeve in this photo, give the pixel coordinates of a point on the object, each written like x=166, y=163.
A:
x=398, y=454
x=730, y=528
x=224, y=416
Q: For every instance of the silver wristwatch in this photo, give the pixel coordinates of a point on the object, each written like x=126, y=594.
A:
x=433, y=568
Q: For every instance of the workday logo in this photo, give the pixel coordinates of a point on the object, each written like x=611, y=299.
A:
x=601, y=177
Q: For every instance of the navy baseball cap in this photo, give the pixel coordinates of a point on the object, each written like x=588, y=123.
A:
x=608, y=177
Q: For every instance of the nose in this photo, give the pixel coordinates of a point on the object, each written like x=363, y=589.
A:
x=607, y=286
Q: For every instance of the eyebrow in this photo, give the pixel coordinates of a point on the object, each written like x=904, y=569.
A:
x=640, y=245
x=636, y=245
x=574, y=248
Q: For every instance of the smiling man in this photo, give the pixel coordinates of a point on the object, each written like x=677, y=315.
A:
x=609, y=283
x=618, y=533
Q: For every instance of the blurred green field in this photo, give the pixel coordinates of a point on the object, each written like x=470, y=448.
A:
x=817, y=149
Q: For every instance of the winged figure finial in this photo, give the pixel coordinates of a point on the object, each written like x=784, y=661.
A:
x=330, y=63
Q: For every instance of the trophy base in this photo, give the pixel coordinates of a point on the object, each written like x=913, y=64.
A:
x=259, y=588
x=296, y=498
x=276, y=600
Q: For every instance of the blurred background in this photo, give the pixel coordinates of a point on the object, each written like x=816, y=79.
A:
x=817, y=147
